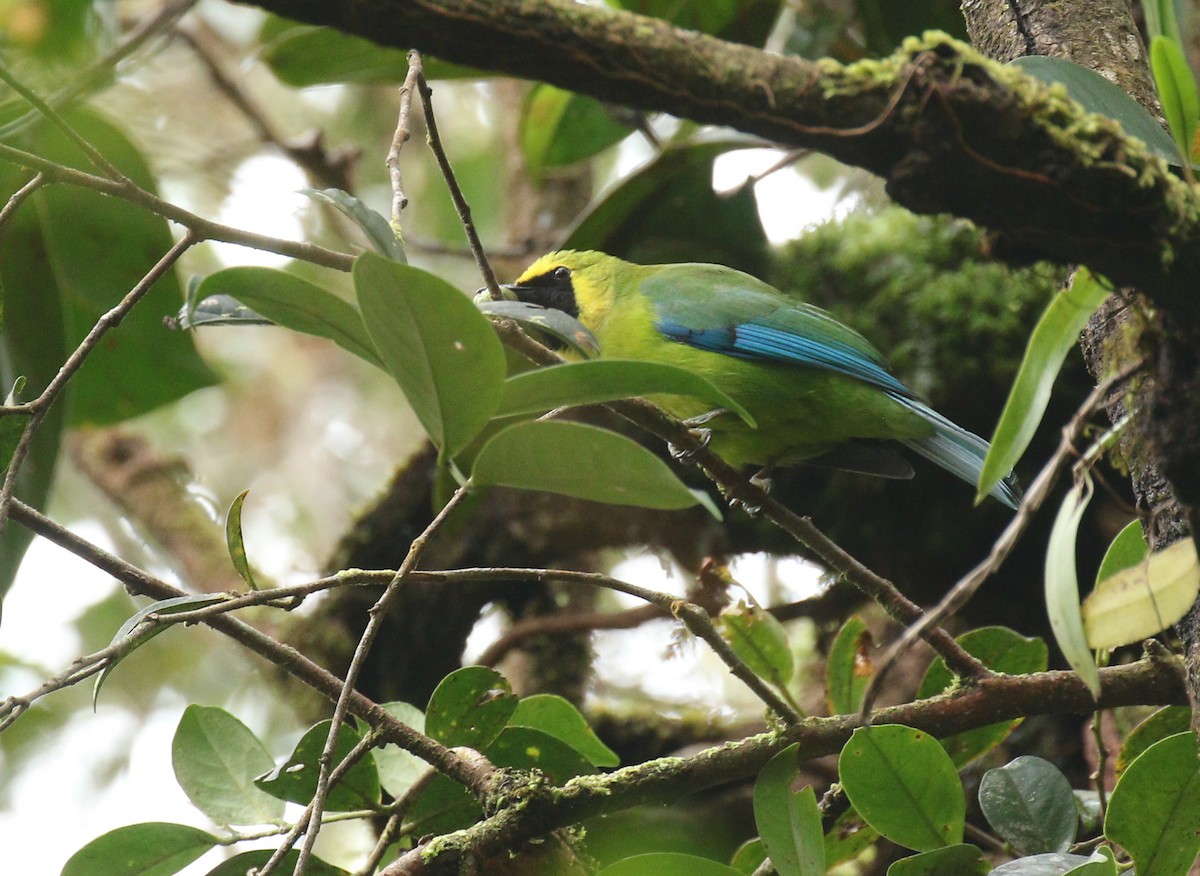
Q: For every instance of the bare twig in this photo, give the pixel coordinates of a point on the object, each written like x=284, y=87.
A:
x=378, y=615
x=566, y=623
x=201, y=228
x=402, y=135
x=19, y=196
x=460, y=202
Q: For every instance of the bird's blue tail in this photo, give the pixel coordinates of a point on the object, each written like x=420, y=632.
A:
x=957, y=451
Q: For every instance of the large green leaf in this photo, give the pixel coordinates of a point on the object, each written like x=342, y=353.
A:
x=1096, y=94
x=788, y=820
x=398, y=769
x=905, y=785
x=436, y=344
x=1154, y=811
x=1056, y=333
x=470, y=706
x=1165, y=722
x=151, y=849
x=668, y=212
x=1144, y=599
x=1062, y=586
x=601, y=380
x=559, y=718
x=98, y=248
x=295, y=780
x=739, y=21
x=667, y=864
x=960, y=860
x=303, y=55
x=525, y=748
x=759, y=639
x=1001, y=650
x=297, y=304
x=1127, y=549
x=582, y=461
x=560, y=128
x=1177, y=89
x=216, y=758
x=1029, y=802
x=848, y=669
x=240, y=865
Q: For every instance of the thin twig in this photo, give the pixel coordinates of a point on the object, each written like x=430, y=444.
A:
x=961, y=593
x=402, y=135
x=377, y=617
x=19, y=196
x=566, y=623
x=39, y=406
x=463, y=769
x=94, y=155
x=203, y=229
x=352, y=757
x=100, y=71
x=460, y=202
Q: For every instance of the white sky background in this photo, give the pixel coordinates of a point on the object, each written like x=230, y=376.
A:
x=57, y=813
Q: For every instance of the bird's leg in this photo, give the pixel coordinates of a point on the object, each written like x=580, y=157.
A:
x=762, y=477
x=695, y=427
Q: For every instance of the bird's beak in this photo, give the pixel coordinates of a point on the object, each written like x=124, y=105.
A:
x=508, y=292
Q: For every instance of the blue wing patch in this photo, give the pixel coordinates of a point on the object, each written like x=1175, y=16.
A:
x=751, y=340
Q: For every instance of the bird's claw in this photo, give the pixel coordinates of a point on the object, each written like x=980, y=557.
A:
x=702, y=436
x=705, y=418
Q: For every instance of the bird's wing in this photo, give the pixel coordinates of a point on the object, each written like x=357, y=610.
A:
x=726, y=311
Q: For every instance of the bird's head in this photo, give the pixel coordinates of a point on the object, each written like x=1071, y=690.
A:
x=580, y=284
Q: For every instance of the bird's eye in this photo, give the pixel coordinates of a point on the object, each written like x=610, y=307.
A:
x=561, y=273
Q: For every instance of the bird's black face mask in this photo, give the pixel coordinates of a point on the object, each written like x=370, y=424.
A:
x=552, y=289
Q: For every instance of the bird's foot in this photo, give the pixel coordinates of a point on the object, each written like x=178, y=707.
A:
x=702, y=436
x=706, y=418
x=762, y=478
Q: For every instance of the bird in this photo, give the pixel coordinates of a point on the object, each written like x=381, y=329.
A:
x=818, y=391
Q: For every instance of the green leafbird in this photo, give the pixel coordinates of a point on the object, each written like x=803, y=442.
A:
x=819, y=392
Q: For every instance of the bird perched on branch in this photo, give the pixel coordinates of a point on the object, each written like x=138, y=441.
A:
x=817, y=389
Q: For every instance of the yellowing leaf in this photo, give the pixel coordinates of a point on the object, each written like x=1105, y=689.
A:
x=1144, y=599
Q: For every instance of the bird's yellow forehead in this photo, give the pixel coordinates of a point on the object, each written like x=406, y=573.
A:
x=566, y=258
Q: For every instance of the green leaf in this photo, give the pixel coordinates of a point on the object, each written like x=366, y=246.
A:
x=1154, y=811
x=667, y=864
x=398, y=768
x=240, y=865
x=526, y=748
x=544, y=320
x=904, y=785
x=749, y=857
x=602, y=380
x=1029, y=802
x=136, y=638
x=151, y=849
x=1050, y=864
x=849, y=837
x=1177, y=88
x=216, y=310
x=1001, y=650
x=1165, y=722
x=470, y=707
x=1062, y=586
x=848, y=669
x=440, y=349
x=559, y=718
x=302, y=55
x=1097, y=95
x=1145, y=599
x=740, y=21
x=960, y=860
x=377, y=229
x=235, y=543
x=295, y=780
x=444, y=806
x=787, y=820
x=297, y=304
x=668, y=212
x=559, y=127
x=98, y=248
x=1161, y=19
x=1101, y=863
x=1127, y=549
x=759, y=639
x=216, y=757
x=582, y=461
x=1056, y=333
